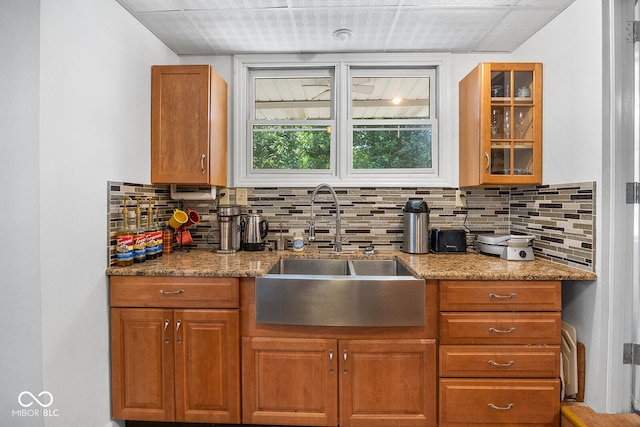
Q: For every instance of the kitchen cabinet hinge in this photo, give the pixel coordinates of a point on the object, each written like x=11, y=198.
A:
x=631, y=354
x=632, y=32
x=633, y=193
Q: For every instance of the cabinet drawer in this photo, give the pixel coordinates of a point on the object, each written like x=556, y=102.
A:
x=202, y=292
x=496, y=402
x=500, y=361
x=500, y=328
x=475, y=295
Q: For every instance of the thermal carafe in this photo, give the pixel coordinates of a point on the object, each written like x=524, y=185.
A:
x=230, y=228
x=416, y=227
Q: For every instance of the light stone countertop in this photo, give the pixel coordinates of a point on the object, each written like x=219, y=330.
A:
x=467, y=266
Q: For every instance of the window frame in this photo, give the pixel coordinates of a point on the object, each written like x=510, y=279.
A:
x=341, y=172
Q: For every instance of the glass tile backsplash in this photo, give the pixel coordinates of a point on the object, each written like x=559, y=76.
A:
x=561, y=217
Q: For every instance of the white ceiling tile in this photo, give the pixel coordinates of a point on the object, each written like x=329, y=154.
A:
x=201, y=27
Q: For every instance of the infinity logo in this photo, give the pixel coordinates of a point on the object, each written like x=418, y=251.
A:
x=42, y=393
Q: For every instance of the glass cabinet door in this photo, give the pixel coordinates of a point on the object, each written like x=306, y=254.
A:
x=512, y=135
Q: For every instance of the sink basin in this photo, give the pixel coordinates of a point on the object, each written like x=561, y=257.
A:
x=325, y=267
x=379, y=267
x=332, y=292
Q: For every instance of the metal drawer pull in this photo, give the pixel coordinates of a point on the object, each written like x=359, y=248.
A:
x=331, y=361
x=179, y=291
x=486, y=154
x=178, y=324
x=164, y=332
x=502, y=365
x=202, y=164
x=506, y=408
x=344, y=356
x=513, y=295
x=498, y=331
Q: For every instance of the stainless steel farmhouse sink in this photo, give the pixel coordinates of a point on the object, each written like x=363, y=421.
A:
x=336, y=292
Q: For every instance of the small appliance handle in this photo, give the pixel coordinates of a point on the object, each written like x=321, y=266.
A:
x=264, y=228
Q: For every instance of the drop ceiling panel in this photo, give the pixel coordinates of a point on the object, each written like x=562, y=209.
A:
x=457, y=29
x=203, y=27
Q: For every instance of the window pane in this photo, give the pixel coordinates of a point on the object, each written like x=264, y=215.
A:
x=292, y=98
x=291, y=147
x=392, y=147
x=390, y=97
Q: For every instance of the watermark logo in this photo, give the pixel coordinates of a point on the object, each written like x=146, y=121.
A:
x=35, y=405
x=25, y=402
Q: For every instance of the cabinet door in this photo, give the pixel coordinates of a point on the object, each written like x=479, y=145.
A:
x=188, y=136
x=207, y=371
x=290, y=381
x=500, y=109
x=387, y=382
x=512, y=123
x=142, y=364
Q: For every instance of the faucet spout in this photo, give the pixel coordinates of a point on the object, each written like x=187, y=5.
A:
x=338, y=238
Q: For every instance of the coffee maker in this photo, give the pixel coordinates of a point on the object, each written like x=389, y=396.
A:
x=230, y=229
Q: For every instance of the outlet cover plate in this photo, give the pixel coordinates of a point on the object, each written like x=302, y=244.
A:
x=241, y=196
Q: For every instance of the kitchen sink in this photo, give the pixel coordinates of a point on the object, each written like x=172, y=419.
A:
x=326, y=267
x=335, y=292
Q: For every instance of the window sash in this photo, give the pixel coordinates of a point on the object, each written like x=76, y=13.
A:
x=341, y=171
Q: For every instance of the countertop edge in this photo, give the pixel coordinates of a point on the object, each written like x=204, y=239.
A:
x=468, y=266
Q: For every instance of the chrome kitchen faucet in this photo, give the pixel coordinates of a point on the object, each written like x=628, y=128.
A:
x=312, y=229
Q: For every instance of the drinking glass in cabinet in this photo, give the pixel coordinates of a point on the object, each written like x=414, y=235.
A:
x=523, y=121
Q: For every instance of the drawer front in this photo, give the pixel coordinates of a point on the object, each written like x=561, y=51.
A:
x=499, y=402
x=500, y=361
x=476, y=295
x=199, y=292
x=500, y=328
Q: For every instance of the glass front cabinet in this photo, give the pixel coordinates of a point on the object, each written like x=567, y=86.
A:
x=501, y=125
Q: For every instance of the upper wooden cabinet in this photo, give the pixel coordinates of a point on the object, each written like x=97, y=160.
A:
x=188, y=125
x=501, y=125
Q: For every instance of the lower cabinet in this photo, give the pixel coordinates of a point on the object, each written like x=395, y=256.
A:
x=350, y=382
x=499, y=354
x=175, y=364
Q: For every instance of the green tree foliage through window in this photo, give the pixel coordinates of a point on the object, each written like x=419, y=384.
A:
x=291, y=147
x=391, y=147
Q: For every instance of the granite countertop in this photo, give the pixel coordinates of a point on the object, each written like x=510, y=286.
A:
x=467, y=266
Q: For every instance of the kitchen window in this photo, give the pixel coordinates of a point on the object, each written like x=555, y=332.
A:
x=344, y=121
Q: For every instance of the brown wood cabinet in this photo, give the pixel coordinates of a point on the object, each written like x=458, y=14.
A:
x=500, y=129
x=188, y=125
x=172, y=362
x=347, y=376
x=499, y=360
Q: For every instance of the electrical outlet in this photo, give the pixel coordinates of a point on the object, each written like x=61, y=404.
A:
x=461, y=199
x=223, y=196
x=241, y=196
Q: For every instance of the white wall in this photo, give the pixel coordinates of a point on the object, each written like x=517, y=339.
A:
x=21, y=349
x=95, y=61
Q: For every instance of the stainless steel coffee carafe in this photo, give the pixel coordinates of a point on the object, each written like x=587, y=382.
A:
x=230, y=229
x=416, y=227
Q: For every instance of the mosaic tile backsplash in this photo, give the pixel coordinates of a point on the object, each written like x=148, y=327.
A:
x=561, y=217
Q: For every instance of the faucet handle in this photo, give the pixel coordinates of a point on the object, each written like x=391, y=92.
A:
x=312, y=231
